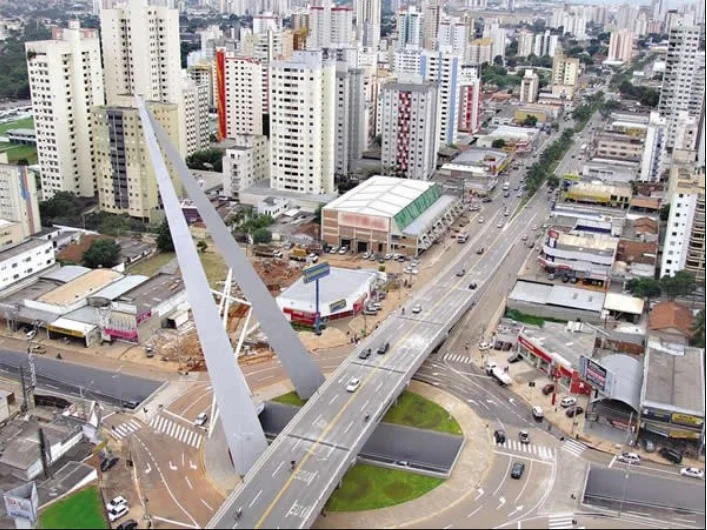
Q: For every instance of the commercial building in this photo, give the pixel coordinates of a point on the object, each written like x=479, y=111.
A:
x=342, y=294
x=478, y=169
x=66, y=81
x=141, y=55
x=529, y=87
x=620, y=46
x=517, y=139
x=302, y=123
x=615, y=146
x=408, y=132
x=673, y=391
x=245, y=162
x=18, y=201
x=24, y=260
x=683, y=86
x=125, y=173
x=587, y=257
x=542, y=113
x=469, y=116
x=615, y=196
x=561, y=301
x=389, y=215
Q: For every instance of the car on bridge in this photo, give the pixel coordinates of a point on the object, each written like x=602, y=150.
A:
x=365, y=354
x=353, y=384
x=383, y=348
x=417, y=309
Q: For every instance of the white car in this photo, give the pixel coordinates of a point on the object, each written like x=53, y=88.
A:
x=117, y=502
x=568, y=402
x=353, y=384
x=116, y=513
x=366, y=255
x=538, y=413
x=417, y=308
x=483, y=346
x=692, y=472
x=629, y=458
x=414, y=271
x=201, y=419
x=525, y=237
x=500, y=225
x=333, y=250
x=343, y=250
x=481, y=220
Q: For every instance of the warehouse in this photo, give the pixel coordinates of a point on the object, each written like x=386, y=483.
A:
x=342, y=294
x=389, y=215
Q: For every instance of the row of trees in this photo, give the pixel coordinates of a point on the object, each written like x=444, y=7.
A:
x=207, y=160
x=541, y=171
x=681, y=284
x=646, y=96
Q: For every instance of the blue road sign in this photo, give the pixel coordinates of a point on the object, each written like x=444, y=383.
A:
x=316, y=272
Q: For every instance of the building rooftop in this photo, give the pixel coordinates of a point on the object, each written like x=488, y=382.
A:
x=596, y=188
x=514, y=132
x=66, y=273
x=20, y=443
x=31, y=291
x=557, y=295
x=671, y=315
x=154, y=291
x=626, y=378
x=120, y=287
x=80, y=287
x=477, y=155
x=422, y=221
x=624, y=303
x=637, y=252
x=562, y=343
x=674, y=378
x=21, y=249
x=338, y=285
x=593, y=242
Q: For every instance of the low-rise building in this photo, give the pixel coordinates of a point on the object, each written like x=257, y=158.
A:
x=556, y=301
x=596, y=193
x=245, y=161
x=586, y=257
x=516, y=139
x=615, y=146
x=24, y=260
x=610, y=171
x=671, y=322
x=478, y=169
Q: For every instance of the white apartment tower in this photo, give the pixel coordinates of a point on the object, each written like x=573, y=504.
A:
x=65, y=80
x=430, y=24
x=244, y=94
x=409, y=28
x=529, y=87
x=196, y=112
x=350, y=137
x=18, y=201
x=684, y=79
x=408, y=135
x=368, y=23
x=302, y=116
x=329, y=26
x=525, y=43
x=453, y=35
x=141, y=55
x=621, y=46
x=245, y=163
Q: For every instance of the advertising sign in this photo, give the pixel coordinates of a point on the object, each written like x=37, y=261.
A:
x=366, y=222
x=22, y=502
x=686, y=419
x=594, y=373
x=316, y=272
x=337, y=306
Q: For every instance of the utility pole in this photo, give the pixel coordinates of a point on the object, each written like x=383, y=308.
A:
x=43, y=453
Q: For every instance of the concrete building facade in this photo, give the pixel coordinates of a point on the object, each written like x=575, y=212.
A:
x=18, y=200
x=621, y=46
x=529, y=87
x=245, y=163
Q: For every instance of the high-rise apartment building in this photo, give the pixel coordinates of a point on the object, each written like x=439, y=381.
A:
x=684, y=79
x=18, y=204
x=408, y=134
x=126, y=178
x=368, y=23
x=620, y=46
x=203, y=73
x=529, y=87
x=241, y=95
x=245, y=163
x=453, y=35
x=565, y=72
x=195, y=98
x=653, y=158
x=430, y=24
x=525, y=43
x=302, y=116
x=469, y=101
x=479, y=52
x=409, y=28
x=497, y=34
x=330, y=26
x=141, y=55
x=350, y=125
x=65, y=80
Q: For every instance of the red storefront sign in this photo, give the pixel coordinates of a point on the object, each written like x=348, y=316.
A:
x=534, y=349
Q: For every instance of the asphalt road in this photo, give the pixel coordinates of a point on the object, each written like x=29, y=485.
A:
x=327, y=434
x=77, y=380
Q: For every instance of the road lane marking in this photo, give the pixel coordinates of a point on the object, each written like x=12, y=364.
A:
x=448, y=527
x=501, y=502
x=277, y=468
x=331, y=402
x=255, y=499
x=188, y=483
x=170, y=521
x=348, y=428
x=474, y=512
x=373, y=372
x=206, y=504
x=503, y=480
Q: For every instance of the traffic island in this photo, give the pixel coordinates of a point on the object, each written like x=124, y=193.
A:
x=82, y=509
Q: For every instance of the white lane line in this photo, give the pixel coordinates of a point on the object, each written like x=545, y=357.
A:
x=255, y=499
x=333, y=399
x=503, y=480
x=474, y=512
x=530, y=470
x=348, y=427
x=197, y=442
x=277, y=468
x=206, y=504
x=192, y=487
x=169, y=521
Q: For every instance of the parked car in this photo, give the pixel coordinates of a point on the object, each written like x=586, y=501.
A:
x=383, y=348
x=671, y=455
x=343, y=250
x=201, y=419
x=108, y=462
x=481, y=220
x=416, y=309
x=548, y=389
x=333, y=250
x=514, y=358
x=499, y=435
x=483, y=346
x=629, y=458
x=524, y=437
x=353, y=384
x=116, y=513
x=692, y=472
x=130, y=524
x=538, y=413
x=461, y=272
x=649, y=446
x=568, y=402
x=365, y=354
x=366, y=255
x=574, y=411
x=115, y=502
x=517, y=470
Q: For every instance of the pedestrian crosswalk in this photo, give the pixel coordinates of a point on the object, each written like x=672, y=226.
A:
x=573, y=447
x=532, y=450
x=562, y=520
x=125, y=429
x=177, y=431
x=457, y=358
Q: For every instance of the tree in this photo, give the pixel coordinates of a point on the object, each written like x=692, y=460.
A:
x=698, y=330
x=164, y=238
x=553, y=181
x=680, y=284
x=102, y=253
x=665, y=212
x=262, y=235
x=647, y=288
x=512, y=62
x=207, y=159
x=498, y=61
x=202, y=246
x=63, y=204
x=498, y=144
x=530, y=121
x=318, y=214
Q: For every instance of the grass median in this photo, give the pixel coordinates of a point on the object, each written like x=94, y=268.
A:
x=82, y=509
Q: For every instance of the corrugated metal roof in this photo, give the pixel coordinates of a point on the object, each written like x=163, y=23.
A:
x=86, y=314
x=624, y=303
x=66, y=274
x=564, y=296
x=533, y=293
x=122, y=286
x=627, y=379
x=73, y=325
x=422, y=222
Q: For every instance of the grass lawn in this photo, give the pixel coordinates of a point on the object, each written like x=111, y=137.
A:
x=530, y=319
x=214, y=267
x=415, y=411
x=368, y=487
x=16, y=152
x=291, y=398
x=24, y=123
x=83, y=509
x=151, y=265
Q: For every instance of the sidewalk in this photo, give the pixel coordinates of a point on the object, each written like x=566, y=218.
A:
x=469, y=472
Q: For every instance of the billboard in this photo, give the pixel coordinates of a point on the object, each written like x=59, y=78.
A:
x=337, y=306
x=316, y=272
x=22, y=502
x=365, y=222
x=595, y=374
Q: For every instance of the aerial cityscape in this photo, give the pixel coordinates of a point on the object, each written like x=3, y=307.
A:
x=352, y=264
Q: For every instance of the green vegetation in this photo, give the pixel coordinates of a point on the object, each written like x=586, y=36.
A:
x=24, y=123
x=23, y=155
x=367, y=487
x=262, y=235
x=680, y=284
x=152, y=265
x=63, y=205
x=646, y=96
x=164, y=238
x=202, y=245
x=530, y=319
x=14, y=83
x=291, y=398
x=250, y=223
x=103, y=253
x=698, y=330
x=540, y=171
x=207, y=160
x=497, y=75
x=82, y=509
x=415, y=411
x=498, y=144
x=584, y=113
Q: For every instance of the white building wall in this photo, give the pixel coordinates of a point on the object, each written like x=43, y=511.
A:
x=19, y=198
x=15, y=266
x=244, y=95
x=245, y=164
x=677, y=236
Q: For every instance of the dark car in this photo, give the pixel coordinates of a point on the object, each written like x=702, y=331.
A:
x=500, y=436
x=487, y=199
x=472, y=285
x=480, y=250
x=383, y=348
x=130, y=524
x=573, y=411
x=365, y=354
x=548, y=389
x=108, y=463
x=132, y=405
x=524, y=437
x=514, y=358
x=671, y=455
x=517, y=470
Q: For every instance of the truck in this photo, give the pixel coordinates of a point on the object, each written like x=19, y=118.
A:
x=502, y=377
x=462, y=237
x=266, y=251
x=298, y=254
